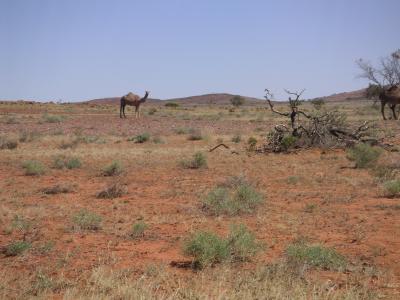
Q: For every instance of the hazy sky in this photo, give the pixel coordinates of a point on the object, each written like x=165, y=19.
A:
x=81, y=49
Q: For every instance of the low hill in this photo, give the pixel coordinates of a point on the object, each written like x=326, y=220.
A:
x=219, y=99
x=115, y=100
x=346, y=96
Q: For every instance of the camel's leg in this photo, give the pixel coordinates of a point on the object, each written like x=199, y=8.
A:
x=123, y=110
x=383, y=110
x=393, y=108
x=136, y=111
x=120, y=111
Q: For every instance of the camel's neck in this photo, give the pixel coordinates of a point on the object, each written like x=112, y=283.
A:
x=144, y=98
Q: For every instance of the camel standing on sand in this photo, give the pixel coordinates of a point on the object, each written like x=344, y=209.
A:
x=391, y=96
x=132, y=100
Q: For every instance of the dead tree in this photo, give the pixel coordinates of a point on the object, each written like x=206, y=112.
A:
x=312, y=129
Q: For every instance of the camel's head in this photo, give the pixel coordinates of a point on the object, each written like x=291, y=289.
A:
x=147, y=92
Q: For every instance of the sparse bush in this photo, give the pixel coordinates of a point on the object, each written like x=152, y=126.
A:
x=182, y=130
x=236, y=197
x=242, y=242
x=384, y=172
x=140, y=138
x=236, y=138
x=73, y=163
x=158, y=140
x=198, y=161
x=288, y=142
x=172, y=105
x=315, y=255
x=12, y=120
x=70, y=144
x=392, y=188
x=208, y=248
x=52, y=118
x=237, y=101
x=138, y=230
x=86, y=220
x=251, y=143
x=364, y=155
x=62, y=161
x=26, y=137
x=293, y=179
x=152, y=111
x=318, y=103
x=58, y=189
x=114, y=191
x=33, y=167
x=16, y=248
x=113, y=169
x=21, y=224
x=6, y=143
x=195, y=135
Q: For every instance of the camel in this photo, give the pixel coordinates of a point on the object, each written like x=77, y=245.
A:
x=392, y=97
x=132, y=100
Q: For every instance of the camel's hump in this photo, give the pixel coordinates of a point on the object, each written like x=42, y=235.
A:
x=132, y=96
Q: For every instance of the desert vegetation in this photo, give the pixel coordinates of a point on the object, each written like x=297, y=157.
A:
x=199, y=201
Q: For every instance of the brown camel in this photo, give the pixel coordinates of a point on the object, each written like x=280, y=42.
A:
x=132, y=100
x=391, y=96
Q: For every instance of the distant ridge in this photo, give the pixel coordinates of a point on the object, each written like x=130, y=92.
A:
x=346, y=96
x=209, y=99
x=218, y=98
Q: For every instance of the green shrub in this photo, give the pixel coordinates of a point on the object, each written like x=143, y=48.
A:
x=113, y=191
x=198, y=161
x=242, y=242
x=392, y=188
x=172, y=105
x=251, y=143
x=288, y=142
x=86, y=220
x=236, y=138
x=207, y=249
x=113, y=169
x=140, y=138
x=17, y=248
x=73, y=163
x=52, y=118
x=62, y=161
x=138, y=230
x=33, y=167
x=364, y=155
x=6, y=143
x=12, y=120
x=236, y=197
x=315, y=255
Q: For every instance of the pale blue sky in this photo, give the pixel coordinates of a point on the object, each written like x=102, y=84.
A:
x=75, y=50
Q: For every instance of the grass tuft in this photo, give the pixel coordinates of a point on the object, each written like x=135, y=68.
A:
x=138, y=230
x=198, y=161
x=364, y=155
x=33, y=168
x=86, y=220
x=114, y=191
x=113, y=169
x=316, y=256
x=235, y=197
x=16, y=248
x=392, y=188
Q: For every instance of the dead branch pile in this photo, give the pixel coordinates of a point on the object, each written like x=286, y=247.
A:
x=327, y=129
